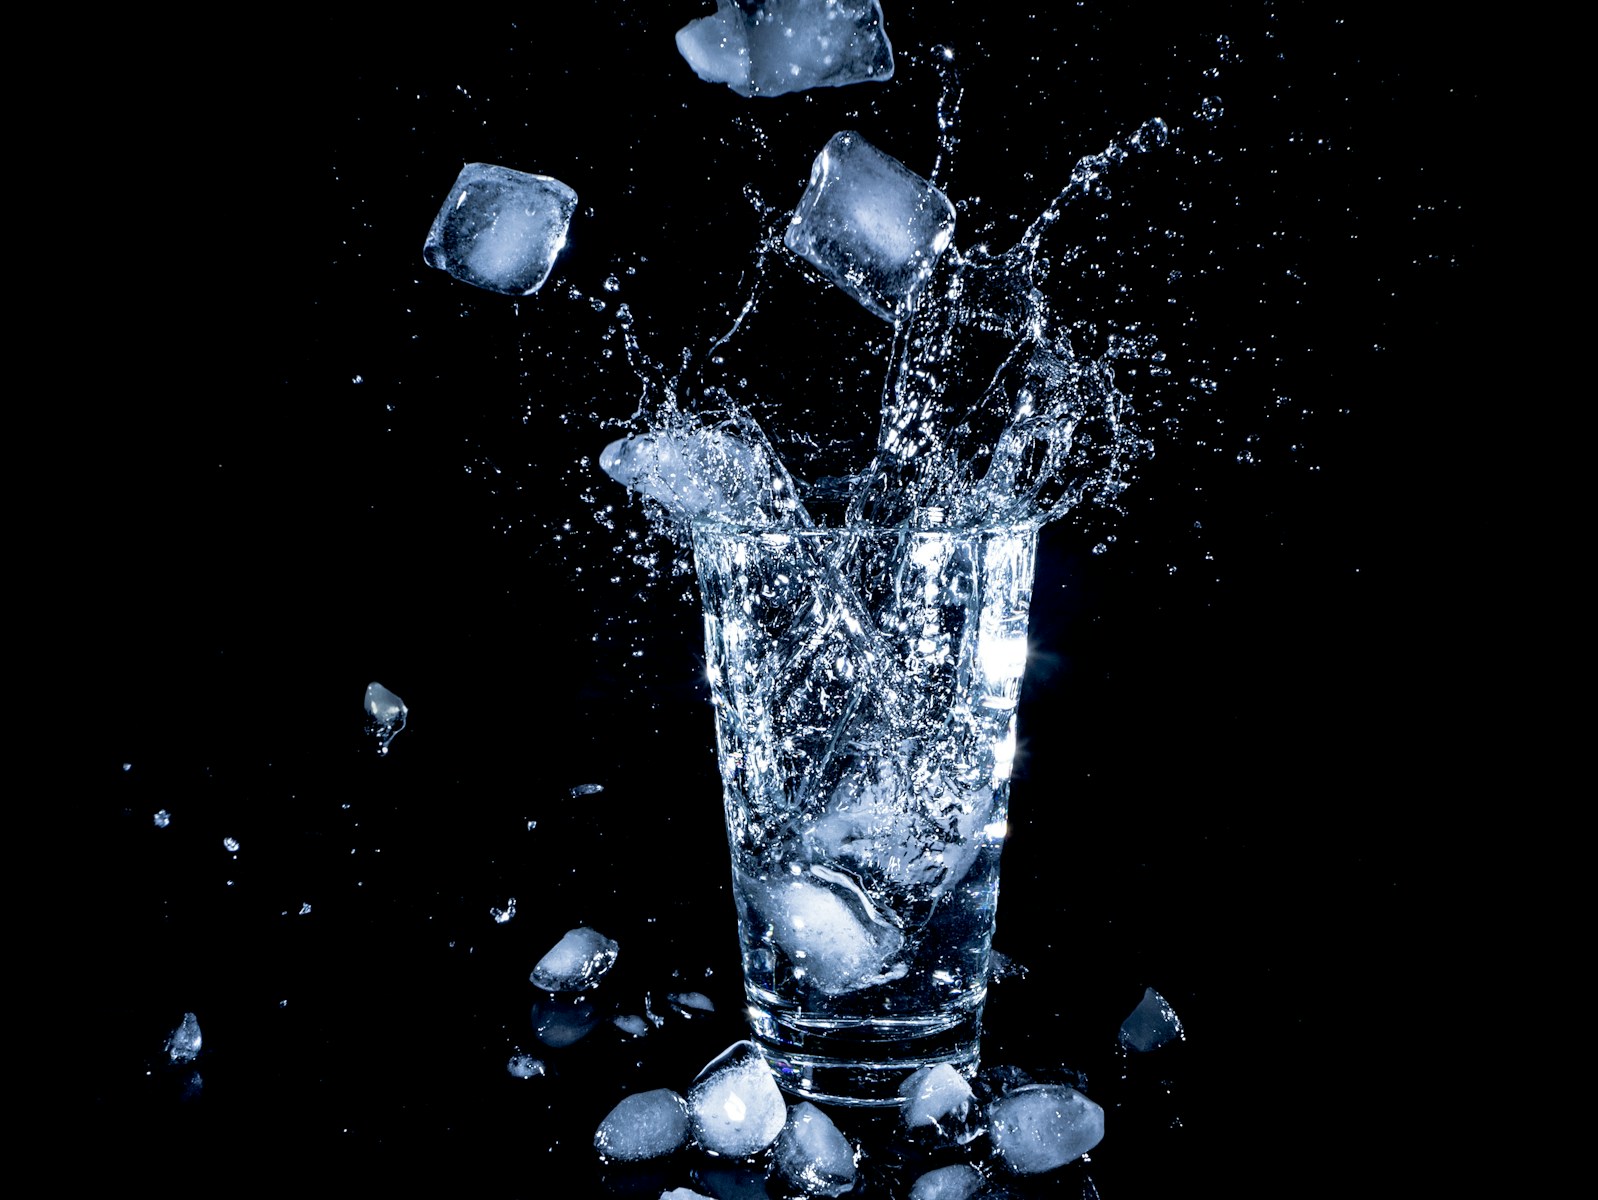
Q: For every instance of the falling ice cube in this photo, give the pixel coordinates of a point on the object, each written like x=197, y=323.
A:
x=1039, y=1128
x=812, y=1154
x=644, y=1125
x=699, y=474
x=183, y=1045
x=576, y=962
x=772, y=47
x=870, y=224
x=735, y=1107
x=1151, y=1024
x=500, y=229
x=385, y=715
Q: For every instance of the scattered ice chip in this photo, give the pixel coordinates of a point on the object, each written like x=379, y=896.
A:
x=525, y=1066
x=305, y=909
x=163, y=819
x=576, y=962
x=870, y=224
x=587, y=789
x=958, y=1182
x=644, y=1125
x=500, y=229
x=558, y=1022
x=834, y=936
x=735, y=1107
x=1151, y=1024
x=691, y=1002
x=501, y=915
x=230, y=843
x=385, y=715
x=184, y=1043
x=1039, y=1128
x=772, y=47
x=936, y=1096
x=631, y=1023
x=698, y=473
x=813, y=1154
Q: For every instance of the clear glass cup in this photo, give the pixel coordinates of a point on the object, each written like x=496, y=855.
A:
x=865, y=685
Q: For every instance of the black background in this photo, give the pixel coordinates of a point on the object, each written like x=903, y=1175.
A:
x=317, y=463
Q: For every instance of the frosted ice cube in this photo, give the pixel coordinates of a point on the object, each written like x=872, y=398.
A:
x=936, y=1096
x=524, y=1066
x=385, y=715
x=500, y=229
x=689, y=1003
x=870, y=224
x=958, y=1182
x=813, y=1154
x=644, y=1125
x=631, y=1023
x=696, y=474
x=1151, y=1024
x=576, y=962
x=771, y=47
x=837, y=939
x=735, y=1107
x=184, y=1043
x=1044, y=1126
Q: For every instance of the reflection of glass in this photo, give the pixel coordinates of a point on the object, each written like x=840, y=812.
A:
x=865, y=685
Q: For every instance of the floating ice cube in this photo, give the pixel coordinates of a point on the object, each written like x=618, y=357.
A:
x=870, y=224
x=184, y=1043
x=958, y=1182
x=771, y=47
x=936, y=1096
x=500, y=229
x=1044, y=1126
x=813, y=1154
x=735, y=1107
x=1151, y=1024
x=385, y=715
x=524, y=1066
x=696, y=474
x=576, y=962
x=835, y=936
x=644, y=1125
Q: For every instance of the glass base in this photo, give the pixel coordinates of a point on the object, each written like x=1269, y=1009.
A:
x=861, y=1063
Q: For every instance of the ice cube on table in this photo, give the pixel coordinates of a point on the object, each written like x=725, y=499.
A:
x=958, y=1182
x=500, y=229
x=644, y=1125
x=870, y=224
x=936, y=1096
x=183, y=1044
x=698, y=474
x=1039, y=1128
x=735, y=1107
x=812, y=1154
x=385, y=715
x=576, y=962
x=1151, y=1024
x=772, y=47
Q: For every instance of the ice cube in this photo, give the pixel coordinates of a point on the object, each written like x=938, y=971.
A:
x=1044, y=1126
x=870, y=224
x=575, y=963
x=771, y=47
x=689, y=1003
x=683, y=1194
x=524, y=1066
x=936, y=1096
x=184, y=1043
x=644, y=1125
x=837, y=939
x=630, y=1023
x=563, y=1021
x=735, y=1107
x=385, y=715
x=696, y=474
x=958, y=1182
x=500, y=229
x=1151, y=1024
x=812, y=1154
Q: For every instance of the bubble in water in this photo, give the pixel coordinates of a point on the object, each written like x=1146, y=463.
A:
x=1210, y=109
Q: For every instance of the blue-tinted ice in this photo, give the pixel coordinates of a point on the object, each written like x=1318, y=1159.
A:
x=735, y=1108
x=1151, y=1024
x=870, y=224
x=812, y=1154
x=1039, y=1128
x=772, y=47
x=500, y=229
x=385, y=715
x=184, y=1043
x=576, y=962
x=644, y=1125
x=697, y=474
